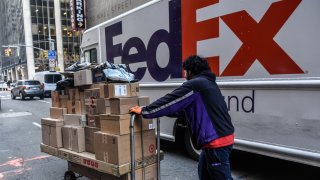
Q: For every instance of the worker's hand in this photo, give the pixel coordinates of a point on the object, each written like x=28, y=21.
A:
x=136, y=110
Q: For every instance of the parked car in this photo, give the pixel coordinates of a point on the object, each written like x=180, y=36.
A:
x=27, y=88
x=3, y=86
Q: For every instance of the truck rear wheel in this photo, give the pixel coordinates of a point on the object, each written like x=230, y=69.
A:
x=193, y=153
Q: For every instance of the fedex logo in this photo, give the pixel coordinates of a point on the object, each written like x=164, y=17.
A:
x=192, y=22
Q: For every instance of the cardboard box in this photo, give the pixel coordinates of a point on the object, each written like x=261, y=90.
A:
x=74, y=94
x=94, y=121
x=98, y=75
x=120, y=124
x=55, y=98
x=117, y=89
x=89, y=135
x=115, y=149
x=103, y=89
x=108, y=110
x=51, y=132
x=73, y=138
x=90, y=94
x=66, y=137
x=75, y=120
x=122, y=105
x=107, y=104
x=123, y=90
x=63, y=101
x=83, y=77
x=96, y=107
x=83, y=106
x=143, y=100
x=74, y=107
x=57, y=113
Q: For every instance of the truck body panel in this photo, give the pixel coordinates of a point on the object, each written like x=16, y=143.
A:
x=264, y=53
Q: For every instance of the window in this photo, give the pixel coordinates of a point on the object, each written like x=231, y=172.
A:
x=32, y=83
x=52, y=78
x=91, y=56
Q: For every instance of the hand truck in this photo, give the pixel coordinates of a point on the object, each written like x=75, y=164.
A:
x=133, y=165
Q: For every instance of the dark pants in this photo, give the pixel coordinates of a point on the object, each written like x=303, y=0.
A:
x=214, y=164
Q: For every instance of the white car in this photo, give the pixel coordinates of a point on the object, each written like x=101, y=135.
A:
x=3, y=86
x=49, y=80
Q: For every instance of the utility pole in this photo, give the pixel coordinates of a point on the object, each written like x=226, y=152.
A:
x=49, y=29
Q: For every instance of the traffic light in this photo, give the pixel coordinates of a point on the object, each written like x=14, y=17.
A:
x=45, y=53
x=7, y=52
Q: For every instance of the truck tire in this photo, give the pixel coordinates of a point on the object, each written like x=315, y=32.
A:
x=193, y=153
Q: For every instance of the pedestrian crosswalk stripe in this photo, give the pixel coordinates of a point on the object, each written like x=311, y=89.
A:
x=36, y=124
x=14, y=114
x=44, y=101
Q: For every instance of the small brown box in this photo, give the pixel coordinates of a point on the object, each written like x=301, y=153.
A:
x=66, y=137
x=57, y=113
x=94, y=121
x=74, y=107
x=75, y=120
x=73, y=138
x=63, y=101
x=83, y=77
x=103, y=89
x=120, y=124
x=90, y=94
x=83, y=106
x=89, y=137
x=115, y=149
x=122, y=105
x=74, y=94
x=143, y=100
x=55, y=99
x=97, y=107
x=51, y=132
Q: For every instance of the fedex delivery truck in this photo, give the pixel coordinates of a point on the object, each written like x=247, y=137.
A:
x=265, y=54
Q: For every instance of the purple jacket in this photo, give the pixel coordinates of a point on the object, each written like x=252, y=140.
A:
x=201, y=101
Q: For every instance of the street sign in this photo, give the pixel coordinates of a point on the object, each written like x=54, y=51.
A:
x=52, y=55
x=52, y=63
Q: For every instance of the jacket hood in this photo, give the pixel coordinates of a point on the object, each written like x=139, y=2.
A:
x=208, y=75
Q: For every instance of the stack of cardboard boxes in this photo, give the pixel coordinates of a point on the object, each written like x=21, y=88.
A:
x=95, y=118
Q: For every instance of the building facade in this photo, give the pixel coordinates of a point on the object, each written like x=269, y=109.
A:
x=12, y=32
x=99, y=11
x=33, y=28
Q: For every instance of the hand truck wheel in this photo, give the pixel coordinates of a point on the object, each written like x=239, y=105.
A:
x=69, y=175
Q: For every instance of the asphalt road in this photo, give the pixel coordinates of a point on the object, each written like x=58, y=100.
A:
x=20, y=156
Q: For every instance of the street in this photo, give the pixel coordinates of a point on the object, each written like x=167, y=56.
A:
x=20, y=156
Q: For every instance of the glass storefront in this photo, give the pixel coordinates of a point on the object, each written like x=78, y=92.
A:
x=40, y=32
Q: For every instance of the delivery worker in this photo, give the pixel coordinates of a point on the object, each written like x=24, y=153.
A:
x=209, y=122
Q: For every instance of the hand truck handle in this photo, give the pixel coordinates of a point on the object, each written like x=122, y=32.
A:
x=133, y=165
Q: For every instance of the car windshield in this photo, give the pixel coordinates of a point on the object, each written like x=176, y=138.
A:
x=52, y=78
x=32, y=83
